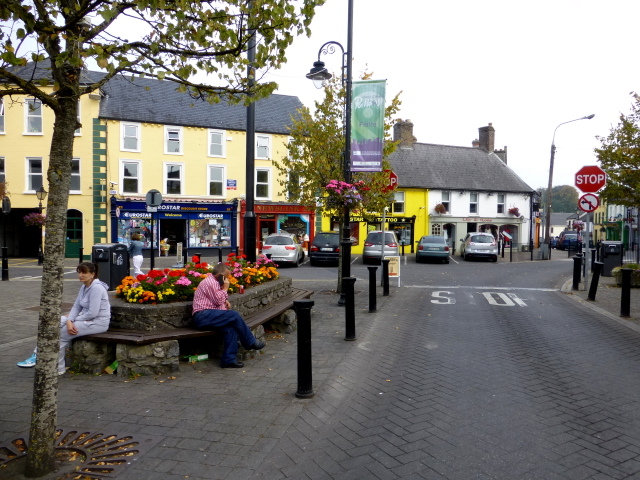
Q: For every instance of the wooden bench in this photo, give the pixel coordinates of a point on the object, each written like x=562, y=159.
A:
x=149, y=338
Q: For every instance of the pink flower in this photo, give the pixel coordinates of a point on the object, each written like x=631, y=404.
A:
x=183, y=281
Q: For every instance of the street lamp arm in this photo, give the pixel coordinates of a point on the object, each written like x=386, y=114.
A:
x=586, y=117
x=330, y=48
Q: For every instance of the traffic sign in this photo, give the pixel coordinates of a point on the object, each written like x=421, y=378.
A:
x=588, y=202
x=393, y=181
x=590, y=178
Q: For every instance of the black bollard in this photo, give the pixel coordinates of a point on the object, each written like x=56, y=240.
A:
x=372, y=288
x=593, y=288
x=348, y=284
x=499, y=248
x=220, y=254
x=385, y=277
x=577, y=267
x=625, y=295
x=511, y=252
x=305, y=380
x=81, y=255
x=5, y=264
x=593, y=258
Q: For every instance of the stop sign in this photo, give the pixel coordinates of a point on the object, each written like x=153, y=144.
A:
x=393, y=181
x=590, y=178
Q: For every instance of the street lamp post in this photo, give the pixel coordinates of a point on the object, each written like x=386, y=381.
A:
x=41, y=194
x=319, y=75
x=547, y=225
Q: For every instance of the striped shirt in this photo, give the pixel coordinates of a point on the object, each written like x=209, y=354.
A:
x=210, y=295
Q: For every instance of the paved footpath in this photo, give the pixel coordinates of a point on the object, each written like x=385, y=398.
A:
x=371, y=417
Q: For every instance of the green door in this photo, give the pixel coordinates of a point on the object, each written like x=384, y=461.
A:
x=74, y=234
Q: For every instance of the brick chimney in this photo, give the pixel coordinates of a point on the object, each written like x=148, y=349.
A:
x=403, y=131
x=475, y=143
x=487, y=138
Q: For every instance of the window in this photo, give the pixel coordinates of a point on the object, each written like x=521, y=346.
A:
x=34, y=173
x=473, y=203
x=130, y=141
x=216, y=180
x=173, y=140
x=173, y=179
x=500, y=203
x=446, y=199
x=75, y=175
x=1, y=115
x=216, y=143
x=78, y=131
x=262, y=183
x=436, y=229
x=263, y=147
x=293, y=186
x=398, y=202
x=33, y=116
x=2, y=171
x=130, y=176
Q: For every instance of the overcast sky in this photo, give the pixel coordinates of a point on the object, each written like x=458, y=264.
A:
x=525, y=67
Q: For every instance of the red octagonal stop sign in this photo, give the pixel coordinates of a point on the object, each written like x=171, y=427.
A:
x=590, y=178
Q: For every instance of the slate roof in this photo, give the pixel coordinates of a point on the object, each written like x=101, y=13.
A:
x=445, y=167
x=155, y=101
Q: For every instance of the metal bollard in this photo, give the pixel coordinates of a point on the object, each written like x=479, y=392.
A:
x=593, y=288
x=372, y=289
x=5, y=264
x=385, y=277
x=305, y=380
x=625, y=295
x=80, y=255
x=350, y=308
x=593, y=258
x=220, y=254
x=577, y=268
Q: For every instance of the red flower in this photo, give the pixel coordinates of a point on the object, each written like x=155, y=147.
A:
x=167, y=270
x=141, y=277
x=175, y=273
x=155, y=273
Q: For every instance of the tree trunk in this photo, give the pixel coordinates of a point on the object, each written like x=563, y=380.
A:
x=40, y=456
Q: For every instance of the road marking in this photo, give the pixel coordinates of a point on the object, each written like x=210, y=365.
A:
x=500, y=299
x=442, y=299
x=461, y=287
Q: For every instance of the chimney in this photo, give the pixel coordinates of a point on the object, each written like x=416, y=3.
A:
x=487, y=138
x=502, y=154
x=403, y=131
x=475, y=143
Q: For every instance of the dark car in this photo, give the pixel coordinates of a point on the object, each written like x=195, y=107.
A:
x=325, y=248
x=432, y=247
x=569, y=241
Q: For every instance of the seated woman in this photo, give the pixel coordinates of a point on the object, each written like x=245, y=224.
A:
x=91, y=313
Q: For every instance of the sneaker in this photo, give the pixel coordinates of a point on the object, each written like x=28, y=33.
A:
x=29, y=362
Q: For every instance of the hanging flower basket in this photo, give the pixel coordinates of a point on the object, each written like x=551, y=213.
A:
x=343, y=194
x=440, y=209
x=515, y=211
x=578, y=225
x=34, y=219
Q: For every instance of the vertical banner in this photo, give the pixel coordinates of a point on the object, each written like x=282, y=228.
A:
x=367, y=125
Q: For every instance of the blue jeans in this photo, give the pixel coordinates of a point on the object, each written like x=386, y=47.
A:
x=233, y=328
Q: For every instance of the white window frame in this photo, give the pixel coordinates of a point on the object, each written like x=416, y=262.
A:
x=474, y=203
x=28, y=115
x=398, y=202
x=503, y=197
x=2, y=115
x=76, y=175
x=181, y=180
x=123, y=162
x=446, y=200
x=31, y=185
x=263, y=142
x=223, y=141
x=172, y=129
x=138, y=137
x=223, y=181
x=268, y=183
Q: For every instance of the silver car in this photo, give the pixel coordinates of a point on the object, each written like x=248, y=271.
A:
x=373, y=246
x=479, y=245
x=283, y=248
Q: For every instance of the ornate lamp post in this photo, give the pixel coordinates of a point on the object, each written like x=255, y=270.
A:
x=41, y=194
x=319, y=75
x=547, y=224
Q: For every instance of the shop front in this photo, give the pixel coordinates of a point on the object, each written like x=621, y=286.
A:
x=206, y=226
x=404, y=228
x=454, y=229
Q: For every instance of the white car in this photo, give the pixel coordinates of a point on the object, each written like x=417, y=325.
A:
x=283, y=248
x=478, y=245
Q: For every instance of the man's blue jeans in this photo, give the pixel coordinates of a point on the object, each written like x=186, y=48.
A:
x=233, y=328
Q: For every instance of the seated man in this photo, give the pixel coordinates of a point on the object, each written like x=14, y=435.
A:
x=211, y=311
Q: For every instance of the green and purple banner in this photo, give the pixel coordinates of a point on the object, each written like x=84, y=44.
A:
x=367, y=125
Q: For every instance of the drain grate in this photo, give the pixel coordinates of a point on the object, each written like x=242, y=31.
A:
x=95, y=455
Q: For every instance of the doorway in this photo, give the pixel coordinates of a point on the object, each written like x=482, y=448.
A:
x=74, y=236
x=174, y=231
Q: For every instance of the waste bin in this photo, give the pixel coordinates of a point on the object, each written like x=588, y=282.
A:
x=611, y=256
x=113, y=262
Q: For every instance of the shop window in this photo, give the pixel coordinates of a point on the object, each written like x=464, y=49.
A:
x=173, y=140
x=473, y=203
x=33, y=113
x=263, y=147
x=501, y=203
x=446, y=200
x=34, y=173
x=210, y=232
x=216, y=180
x=262, y=184
x=130, y=177
x=436, y=229
x=75, y=175
x=216, y=143
x=130, y=140
x=173, y=178
x=398, y=202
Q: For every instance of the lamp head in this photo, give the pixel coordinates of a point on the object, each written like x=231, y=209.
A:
x=318, y=74
x=589, y=117
x=41, y=193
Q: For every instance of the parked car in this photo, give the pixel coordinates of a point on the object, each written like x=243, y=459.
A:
x=325, y=248
x=432, y=247
x=553, y=242
x=478, y=245
x=569, y=241
x=283, y=248
x=373, y=246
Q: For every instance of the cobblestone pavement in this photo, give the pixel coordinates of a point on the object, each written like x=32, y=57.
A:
x=426, y=391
